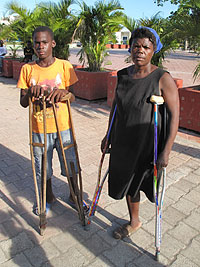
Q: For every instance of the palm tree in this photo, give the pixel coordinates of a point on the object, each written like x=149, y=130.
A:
x=186, y=24
x=22, y=27
x=95, y=27
x=63, y=23
x=189, y=14
x=56, y=16
x=130, y=23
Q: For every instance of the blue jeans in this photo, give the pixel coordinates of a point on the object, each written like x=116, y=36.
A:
x=53, y=142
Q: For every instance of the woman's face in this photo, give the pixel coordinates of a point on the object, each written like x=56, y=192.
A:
x=142, y=51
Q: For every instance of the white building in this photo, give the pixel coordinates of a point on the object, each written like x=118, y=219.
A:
x=123, y=36
x=7, y=20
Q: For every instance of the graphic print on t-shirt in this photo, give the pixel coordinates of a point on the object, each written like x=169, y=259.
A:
x=47, y=85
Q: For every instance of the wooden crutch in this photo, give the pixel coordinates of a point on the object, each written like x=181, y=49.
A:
x=76, y=192
x=40, y=198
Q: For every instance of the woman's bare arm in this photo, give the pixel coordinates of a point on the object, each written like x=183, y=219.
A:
x=169, y=92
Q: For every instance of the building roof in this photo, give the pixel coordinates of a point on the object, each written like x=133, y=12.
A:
x=124, y=29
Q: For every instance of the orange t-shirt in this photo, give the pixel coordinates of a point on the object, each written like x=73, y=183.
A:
x=60, y=74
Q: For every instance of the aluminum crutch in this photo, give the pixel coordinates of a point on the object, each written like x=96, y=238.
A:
x=100, y=183
x=158, y=100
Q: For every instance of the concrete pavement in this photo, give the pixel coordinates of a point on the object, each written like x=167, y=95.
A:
x=65, y=242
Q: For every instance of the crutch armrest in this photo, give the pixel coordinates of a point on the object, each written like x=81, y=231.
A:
x=157, y=99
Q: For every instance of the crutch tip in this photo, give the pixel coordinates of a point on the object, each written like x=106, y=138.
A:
x=42, y=230
x=87, y=227
x=157, y=256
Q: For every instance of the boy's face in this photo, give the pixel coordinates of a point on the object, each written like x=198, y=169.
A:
x=43, y=44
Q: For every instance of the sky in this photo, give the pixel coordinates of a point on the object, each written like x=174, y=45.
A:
x=133, y=8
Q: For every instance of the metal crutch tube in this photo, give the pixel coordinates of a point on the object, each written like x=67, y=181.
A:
x=158, y=100
x=99, y=185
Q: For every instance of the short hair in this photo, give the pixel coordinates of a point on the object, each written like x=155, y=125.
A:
x=43, y=29
x=1, y=42
x=143, y=33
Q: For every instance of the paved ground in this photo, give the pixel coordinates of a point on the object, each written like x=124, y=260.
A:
x=65, y=242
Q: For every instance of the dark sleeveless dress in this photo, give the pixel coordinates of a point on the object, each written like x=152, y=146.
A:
x=132, y=136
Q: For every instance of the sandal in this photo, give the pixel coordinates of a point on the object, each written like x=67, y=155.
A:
x=124, y=231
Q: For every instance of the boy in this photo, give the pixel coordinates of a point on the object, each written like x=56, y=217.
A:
x=28, y=52
x=57, y=76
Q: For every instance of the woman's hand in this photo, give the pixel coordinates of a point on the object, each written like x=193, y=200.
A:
x=162, y=160
x=103, y=143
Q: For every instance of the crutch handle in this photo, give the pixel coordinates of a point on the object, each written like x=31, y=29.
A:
x=159, y=100
x=67, y=97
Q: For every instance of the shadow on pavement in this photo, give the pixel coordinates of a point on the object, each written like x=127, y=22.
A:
x=84, y=107
x=187, y=150
x=9, y=81
x=20, y=239
x=19, y=243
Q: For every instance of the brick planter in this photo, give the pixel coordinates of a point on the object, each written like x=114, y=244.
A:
x=115, y=46
x=17, y=65
x=122, y=46
x=7, y=69
x=178, y=82
x=91, y=85
x=77, y=66
x=190, y=108
x=108, y=46
x=112, y=83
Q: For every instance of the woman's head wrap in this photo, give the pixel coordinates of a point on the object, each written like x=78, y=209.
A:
x=158, y=42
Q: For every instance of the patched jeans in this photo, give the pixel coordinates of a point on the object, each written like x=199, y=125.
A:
x=53, y=142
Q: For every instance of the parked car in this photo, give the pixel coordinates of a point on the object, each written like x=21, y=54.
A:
x=78, y=44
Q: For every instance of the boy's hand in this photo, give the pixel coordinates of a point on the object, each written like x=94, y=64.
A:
x=56, y=95
x=52, y=96
x=36, y=91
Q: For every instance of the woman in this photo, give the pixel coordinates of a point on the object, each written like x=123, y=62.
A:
x=132, y=136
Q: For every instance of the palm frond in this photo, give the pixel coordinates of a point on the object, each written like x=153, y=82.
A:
x=196, y=72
